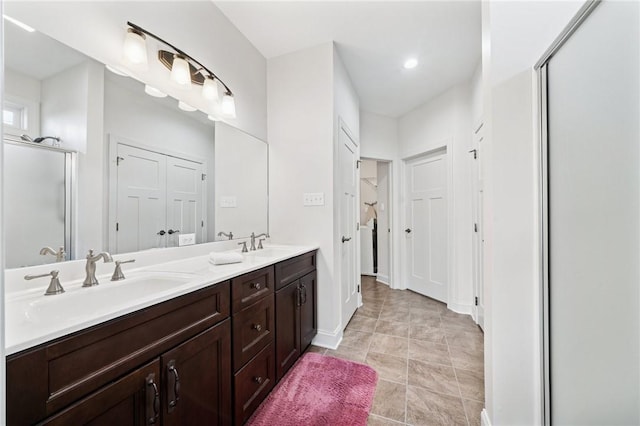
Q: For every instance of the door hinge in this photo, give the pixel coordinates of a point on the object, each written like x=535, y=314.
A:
x=202, y=223
x=357, y=226
x=475, y=227
x=476, y=300
x=118, y=160
x=117, y=226
x=475, y=153
x=204, y=176
x=358, y=288
x=358, y=164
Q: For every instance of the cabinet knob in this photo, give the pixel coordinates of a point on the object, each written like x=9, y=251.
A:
x=257, y=286
x=258, y=380
x=256, y=327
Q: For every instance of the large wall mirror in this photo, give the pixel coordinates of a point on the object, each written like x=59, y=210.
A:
x=92, y=158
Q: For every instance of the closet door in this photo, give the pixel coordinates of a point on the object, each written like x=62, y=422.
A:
x=594, y=220
x=141, y=199
x=184, y=200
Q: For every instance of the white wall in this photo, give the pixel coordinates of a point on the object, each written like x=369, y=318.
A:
x=476, y=97
x=25, y=90
x=378, y=136
x=97, y=29
x=515, y=34
x=300, y=123
x=446, y=121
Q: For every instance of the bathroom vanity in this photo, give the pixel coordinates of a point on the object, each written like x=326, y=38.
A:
x=209, y=353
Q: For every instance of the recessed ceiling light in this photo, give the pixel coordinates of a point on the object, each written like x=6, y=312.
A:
x=411, y=63
x=18, y=23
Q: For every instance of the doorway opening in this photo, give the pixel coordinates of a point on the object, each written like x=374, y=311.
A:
x=375, y=220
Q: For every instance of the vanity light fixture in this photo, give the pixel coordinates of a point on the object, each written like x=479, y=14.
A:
x=135, y=47
x=185, y=70
x=152, y=91
x=18, y=23
x=186, y=107
x=228, y=105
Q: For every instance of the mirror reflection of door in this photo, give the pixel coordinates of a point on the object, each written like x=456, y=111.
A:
x=159, y=198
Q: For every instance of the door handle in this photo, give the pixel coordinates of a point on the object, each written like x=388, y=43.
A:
x=171, y=231
x=345, y=239
x=408, y=230
x=175, y=389
x=153, y=400
x=161, y=232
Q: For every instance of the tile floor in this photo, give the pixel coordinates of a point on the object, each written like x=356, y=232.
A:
x=430, y=361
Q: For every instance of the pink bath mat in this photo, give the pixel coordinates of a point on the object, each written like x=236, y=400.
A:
x=320, y=390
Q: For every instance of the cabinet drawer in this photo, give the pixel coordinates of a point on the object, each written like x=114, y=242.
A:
x=43, y=380
x=251, y=287
x=253, y=329
x=253, y=383
x=292, y=269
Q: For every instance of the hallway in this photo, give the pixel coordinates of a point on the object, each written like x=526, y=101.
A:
x=430, y=361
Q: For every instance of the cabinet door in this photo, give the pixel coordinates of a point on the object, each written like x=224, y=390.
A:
x=196, y=379
x=287, y=328
x=132, y=400
x=308, y=322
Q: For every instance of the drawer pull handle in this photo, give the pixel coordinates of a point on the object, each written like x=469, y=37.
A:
x=257, y=327
x=257, y=286
x=258, y=380
x=153, y=400
x=175, y=387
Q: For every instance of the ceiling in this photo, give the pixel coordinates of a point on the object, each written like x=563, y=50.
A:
x=373, y=39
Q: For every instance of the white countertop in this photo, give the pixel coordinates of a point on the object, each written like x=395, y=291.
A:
x=32, y=318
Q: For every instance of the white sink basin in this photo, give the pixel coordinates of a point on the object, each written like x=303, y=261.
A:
x=270, y=252
x=78, y=302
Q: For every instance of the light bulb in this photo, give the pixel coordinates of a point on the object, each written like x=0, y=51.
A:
x=152, y=91
x=180, y=71
x=210, y=89
x=411, y=63
x=135, y=47
x=186, y=107
x=228, y=105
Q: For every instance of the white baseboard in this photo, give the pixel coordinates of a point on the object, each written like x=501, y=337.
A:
x=383, y=279
x=368, y=274
x=329, y=340
x=461, y=309
x=484, y=418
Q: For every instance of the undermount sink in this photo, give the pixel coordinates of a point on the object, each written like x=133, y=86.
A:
x=270, y=252
x=78, y=302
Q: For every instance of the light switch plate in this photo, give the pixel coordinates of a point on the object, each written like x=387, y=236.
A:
x=186, y=239
x=313, y=199
x=228, y=202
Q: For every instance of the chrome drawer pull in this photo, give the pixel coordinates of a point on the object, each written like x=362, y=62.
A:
x=258, y=380
x=257, y=327
x=257, y=286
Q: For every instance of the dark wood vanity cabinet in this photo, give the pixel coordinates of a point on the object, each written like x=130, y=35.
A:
x=208, y=357
x=296, y=313
x=99, y=375
x=253, y=335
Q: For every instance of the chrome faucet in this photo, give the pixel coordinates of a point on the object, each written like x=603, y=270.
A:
x=91, y=280
x=60, y=254
x=224, y=234
x=54, y=284
x=253, y=240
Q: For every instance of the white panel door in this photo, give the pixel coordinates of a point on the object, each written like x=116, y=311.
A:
x=348, y=199
x=184, y=200
x=478, y=235
x=141, y=211
x=427, y=222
